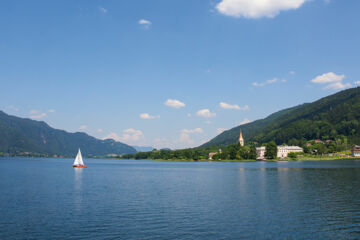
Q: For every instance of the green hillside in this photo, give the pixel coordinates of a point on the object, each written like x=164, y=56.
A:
x=18, y=135
x=332, y=117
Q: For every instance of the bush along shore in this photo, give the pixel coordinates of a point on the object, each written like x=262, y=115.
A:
x=235, y=152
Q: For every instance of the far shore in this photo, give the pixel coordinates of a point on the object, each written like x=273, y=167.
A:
x=251, y=160
x=325, y=158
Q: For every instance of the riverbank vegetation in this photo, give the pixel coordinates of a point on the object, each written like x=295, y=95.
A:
x=313, y=149
x=230, y=152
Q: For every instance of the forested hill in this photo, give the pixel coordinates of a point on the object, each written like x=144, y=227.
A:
x=332, y=117
x=19, y=135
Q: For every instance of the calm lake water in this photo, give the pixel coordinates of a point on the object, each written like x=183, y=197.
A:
x=120, y=199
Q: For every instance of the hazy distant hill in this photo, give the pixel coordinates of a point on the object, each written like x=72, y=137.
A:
x=25, y=135
x=143, y=149
x=331, y=117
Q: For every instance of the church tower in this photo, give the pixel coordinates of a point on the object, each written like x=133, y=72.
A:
x=241, y=139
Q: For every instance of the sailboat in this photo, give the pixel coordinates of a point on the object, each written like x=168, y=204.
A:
x=78, y=163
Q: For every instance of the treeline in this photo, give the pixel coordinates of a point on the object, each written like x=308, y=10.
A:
x=237, y=152
x=326, y=147
x=183, y=154
x=230, y=152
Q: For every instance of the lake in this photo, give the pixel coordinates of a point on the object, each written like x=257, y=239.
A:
x=124, y=199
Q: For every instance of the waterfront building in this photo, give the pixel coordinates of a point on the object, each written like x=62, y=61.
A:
x=260, y=153
x=355, y=151
x=282, y=151
x=211, y=155
x=241, y=139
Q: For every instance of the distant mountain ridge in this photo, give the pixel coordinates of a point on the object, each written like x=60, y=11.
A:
x=18, y=135
x=143, y=149
x=331, y=117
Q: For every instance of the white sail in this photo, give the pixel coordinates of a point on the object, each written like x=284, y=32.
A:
x=78, y=160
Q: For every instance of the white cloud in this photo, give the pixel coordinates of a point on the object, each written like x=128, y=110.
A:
x=292, y=72
x=103, y=10
x=189, y=114
x=100, y=130
x=148, y=116
x=256, y=84
x=113, y=136
x=174, y=103
x=145, y=23
x=245, y=121
x=333, y=81
x=38, y=116
x=196, y=130
x=185, y=138
x=129, y=135
x=132, y=135
x=185, y=135
x=35, y=114
x=208, y=122
x=51, y=110
x=206, y=113
x=256, y=8
x=233, y=106
x=82, y=127
x=357, y=83
x=220, y=130
x=328, y=78
x=160, y=143
x=270, y=81
x=337, y=86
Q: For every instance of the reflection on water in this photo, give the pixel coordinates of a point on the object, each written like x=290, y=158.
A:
x=175, y=200
x=78, y=193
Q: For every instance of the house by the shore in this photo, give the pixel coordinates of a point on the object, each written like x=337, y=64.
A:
x=355, y=151
x=282, y=151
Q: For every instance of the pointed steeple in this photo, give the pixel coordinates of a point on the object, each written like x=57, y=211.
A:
x=241, y=139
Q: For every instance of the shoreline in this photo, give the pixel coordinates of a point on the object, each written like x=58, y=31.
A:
x=202, y=160
x=247, y=160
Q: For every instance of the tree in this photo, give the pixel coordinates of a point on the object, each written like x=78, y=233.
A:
x=292, y=155
x=271, y=150
x=252, y=154
x=232, y=150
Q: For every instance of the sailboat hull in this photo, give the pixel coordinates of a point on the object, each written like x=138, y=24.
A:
x=79, y=166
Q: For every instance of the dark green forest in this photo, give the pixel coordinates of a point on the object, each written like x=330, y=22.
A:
x=335, y=117
x=20, y=135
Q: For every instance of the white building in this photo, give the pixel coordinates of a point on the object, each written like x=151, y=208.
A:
x=260, y=153
x=355, y=152
x=282, y=151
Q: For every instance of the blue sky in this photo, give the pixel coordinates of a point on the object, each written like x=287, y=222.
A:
x=172, y=73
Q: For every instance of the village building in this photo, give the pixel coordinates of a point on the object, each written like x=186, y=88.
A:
x=355, y=151
x=211, y=155
x=260, y=153
x=282, y=151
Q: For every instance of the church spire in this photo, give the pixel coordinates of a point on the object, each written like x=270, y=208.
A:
x=241, y=139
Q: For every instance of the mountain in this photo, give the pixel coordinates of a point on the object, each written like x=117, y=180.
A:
x=143, y=149
x=332, y=117
x=19, y=135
